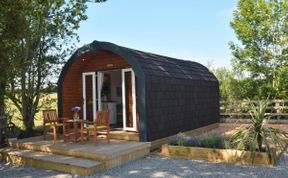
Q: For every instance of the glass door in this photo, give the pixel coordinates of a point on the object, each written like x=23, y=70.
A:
x=89, y=95
x=129, y=100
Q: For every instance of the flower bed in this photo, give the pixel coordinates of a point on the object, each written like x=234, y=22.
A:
x=220, y=155
x=253, y=144
x=217, y=149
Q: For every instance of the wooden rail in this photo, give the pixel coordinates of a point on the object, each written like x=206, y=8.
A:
x=277, y=109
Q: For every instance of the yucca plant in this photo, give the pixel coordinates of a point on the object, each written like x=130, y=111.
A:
x=256, y=137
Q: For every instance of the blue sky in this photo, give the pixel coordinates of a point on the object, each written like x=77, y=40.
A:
x=196, y=30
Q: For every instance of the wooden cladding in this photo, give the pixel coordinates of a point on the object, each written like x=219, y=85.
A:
x=88, y=62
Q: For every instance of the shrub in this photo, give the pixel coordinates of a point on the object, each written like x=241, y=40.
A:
x=184, y=140
x=256, y=137
x=213, y=142
x=192, y=141
x=179, y=139
x=208, y=142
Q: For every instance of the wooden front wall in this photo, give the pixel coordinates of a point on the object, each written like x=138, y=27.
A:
x=89, y=62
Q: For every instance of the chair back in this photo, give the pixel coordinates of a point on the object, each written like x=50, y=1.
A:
x=102, y=117
x=49, y=115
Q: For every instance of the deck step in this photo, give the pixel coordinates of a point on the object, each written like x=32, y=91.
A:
x=42, y=160
x=101, y=152
x=112, y=154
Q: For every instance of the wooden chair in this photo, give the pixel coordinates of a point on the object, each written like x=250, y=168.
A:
x=51, y=121
x=100, y=124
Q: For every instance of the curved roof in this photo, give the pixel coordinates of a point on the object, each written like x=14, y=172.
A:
x=145, y=63
x=157, y=65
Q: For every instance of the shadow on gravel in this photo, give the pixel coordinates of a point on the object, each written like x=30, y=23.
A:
x=155, y=166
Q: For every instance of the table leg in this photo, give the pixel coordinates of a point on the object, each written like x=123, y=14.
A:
x=81, y=132
x=64, y=131
x=75, y=132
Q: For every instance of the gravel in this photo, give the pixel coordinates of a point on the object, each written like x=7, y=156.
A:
x=155, y=166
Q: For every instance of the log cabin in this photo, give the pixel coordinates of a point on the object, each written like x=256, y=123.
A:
x=152, y=95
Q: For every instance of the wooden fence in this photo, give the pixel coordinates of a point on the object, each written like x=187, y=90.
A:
x=277, y=109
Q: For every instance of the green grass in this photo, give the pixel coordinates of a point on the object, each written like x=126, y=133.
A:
x=47, y=101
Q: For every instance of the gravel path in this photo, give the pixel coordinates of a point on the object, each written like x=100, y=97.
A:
x=155, y=166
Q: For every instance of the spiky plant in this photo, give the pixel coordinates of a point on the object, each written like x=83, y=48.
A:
x=256, y=137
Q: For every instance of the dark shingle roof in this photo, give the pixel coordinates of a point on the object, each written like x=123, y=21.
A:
x=157, y=65
x=154, y=64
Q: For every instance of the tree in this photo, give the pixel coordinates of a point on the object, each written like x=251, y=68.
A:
x=45, y=29
x=227, y=82
x=8, y=36
x=261, y=27
x=234, y=87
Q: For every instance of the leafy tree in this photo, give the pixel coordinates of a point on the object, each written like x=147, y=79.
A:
x=234, y=87
x=8, y=38
x=227, y=82
x=44, y=30
x=261, y=27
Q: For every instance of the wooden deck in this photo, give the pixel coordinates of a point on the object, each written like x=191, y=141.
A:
x=75, y=158
x=120, y=134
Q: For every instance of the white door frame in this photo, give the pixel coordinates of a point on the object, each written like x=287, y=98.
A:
x=134, y=128
x=99, y=99
x=93, y=93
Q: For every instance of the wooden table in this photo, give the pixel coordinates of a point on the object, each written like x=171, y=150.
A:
x=71, y=129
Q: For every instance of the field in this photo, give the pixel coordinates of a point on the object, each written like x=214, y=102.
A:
x=47, y=101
